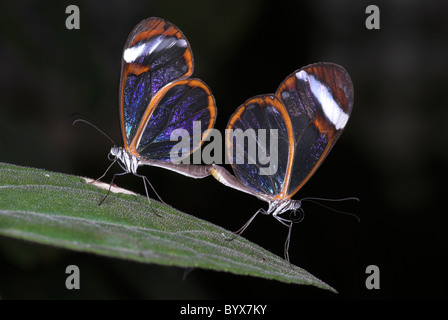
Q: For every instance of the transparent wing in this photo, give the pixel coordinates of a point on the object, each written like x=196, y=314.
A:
x=156, y=53
x=248, y=141
x=319, y=101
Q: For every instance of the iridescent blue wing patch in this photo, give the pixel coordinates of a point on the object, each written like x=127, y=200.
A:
x=180, y=105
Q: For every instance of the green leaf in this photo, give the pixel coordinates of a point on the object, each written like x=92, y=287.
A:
x=63, y=211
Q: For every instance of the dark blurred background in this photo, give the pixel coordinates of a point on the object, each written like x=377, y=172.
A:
x=392, y=155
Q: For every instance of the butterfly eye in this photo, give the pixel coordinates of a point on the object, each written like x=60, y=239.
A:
x=114, y=151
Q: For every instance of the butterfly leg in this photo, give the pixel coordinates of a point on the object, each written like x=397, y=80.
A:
x=293, y=218
x=288, y=240
x=110, y=185
x=244, y=227
x=105, y=172
x=146, y=181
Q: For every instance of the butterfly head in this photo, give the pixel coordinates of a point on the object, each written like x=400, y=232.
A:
x=128, y=161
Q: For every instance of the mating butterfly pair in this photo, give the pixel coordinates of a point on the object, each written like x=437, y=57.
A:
x=309, y=111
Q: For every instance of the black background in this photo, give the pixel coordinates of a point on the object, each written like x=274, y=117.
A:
x=392, y=154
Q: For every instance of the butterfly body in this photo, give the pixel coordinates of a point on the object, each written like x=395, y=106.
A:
x=277, y=207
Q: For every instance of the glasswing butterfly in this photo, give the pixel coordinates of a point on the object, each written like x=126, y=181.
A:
x=157, y=97
x=309, y=110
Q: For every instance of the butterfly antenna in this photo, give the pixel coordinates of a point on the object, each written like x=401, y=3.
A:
x=90, y=123
x=315, y=201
